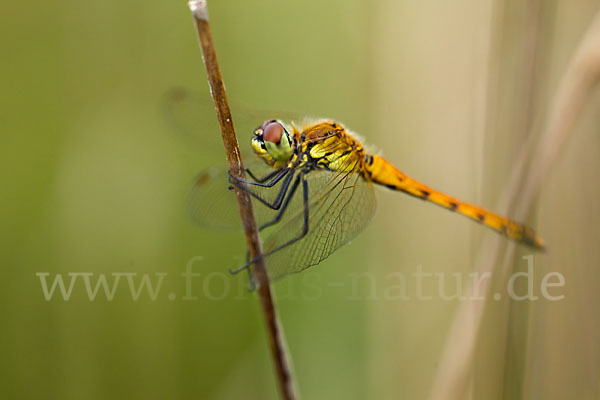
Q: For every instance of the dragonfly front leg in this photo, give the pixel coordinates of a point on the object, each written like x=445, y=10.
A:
x=289, y=242
x=273, y=178
x=276, y=204
x=265, y=178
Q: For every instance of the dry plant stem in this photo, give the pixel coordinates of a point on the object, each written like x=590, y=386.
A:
x=276, y=340
x=576, y=86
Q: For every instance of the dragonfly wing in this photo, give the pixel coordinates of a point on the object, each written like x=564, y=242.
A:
x=211, y=202
x=189, y=114
x=192, y=114
x=340, y=206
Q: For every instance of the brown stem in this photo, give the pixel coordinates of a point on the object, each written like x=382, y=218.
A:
x=232, y=149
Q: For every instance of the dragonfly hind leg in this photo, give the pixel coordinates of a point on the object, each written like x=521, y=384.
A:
x=252, y=284
x=284, y=206
x=291, y=241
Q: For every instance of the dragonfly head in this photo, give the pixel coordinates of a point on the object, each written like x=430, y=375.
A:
x=272, y=142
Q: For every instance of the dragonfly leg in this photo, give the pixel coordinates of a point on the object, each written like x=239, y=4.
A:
x=276, y=204
x=274, y=178
x=265, y=178
x=284, y=206
x=251, y=279
x=289, y=242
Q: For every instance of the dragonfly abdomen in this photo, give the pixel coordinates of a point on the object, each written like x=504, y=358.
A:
x=382, y=172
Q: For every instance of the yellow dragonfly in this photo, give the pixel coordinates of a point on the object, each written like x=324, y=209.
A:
x=313, y=187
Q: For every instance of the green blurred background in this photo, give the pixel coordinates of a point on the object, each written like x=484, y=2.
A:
x=94, y=181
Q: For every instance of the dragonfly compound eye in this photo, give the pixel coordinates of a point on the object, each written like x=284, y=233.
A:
x=272, y=132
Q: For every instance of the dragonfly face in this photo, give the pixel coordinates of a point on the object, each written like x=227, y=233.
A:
x=273, y=143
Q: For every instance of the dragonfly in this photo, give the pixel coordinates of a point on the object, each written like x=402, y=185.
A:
x=313, y=187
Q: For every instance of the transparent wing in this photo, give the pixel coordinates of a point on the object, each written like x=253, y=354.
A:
x=189, y=114
x=340, y=206
x=211, y=202
x=192, y=114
